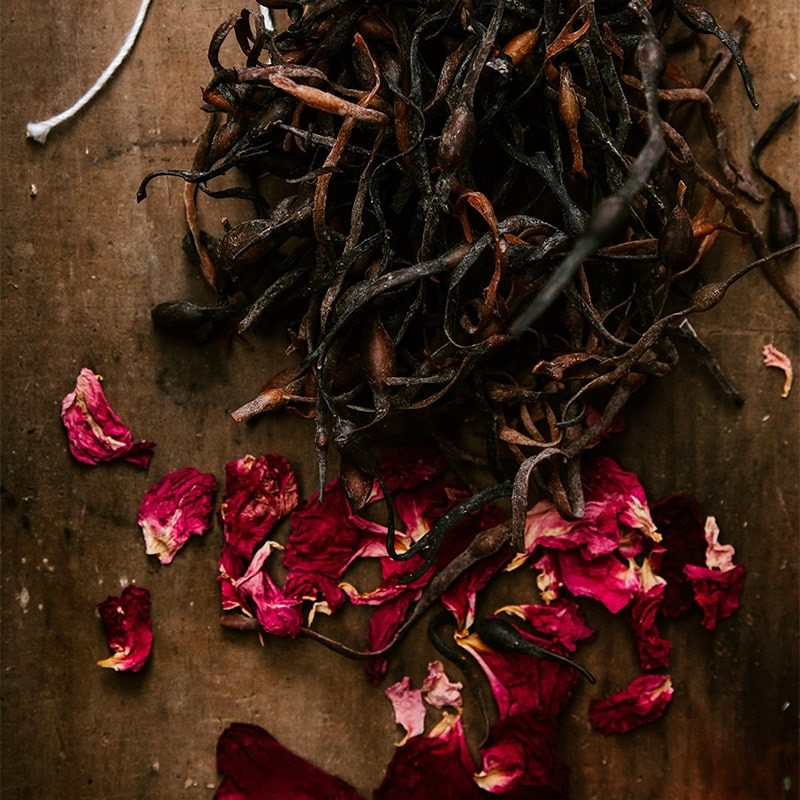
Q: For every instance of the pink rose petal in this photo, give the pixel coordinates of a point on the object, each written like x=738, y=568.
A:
x=128, y=628
x=718, y=556
x=644, y=700
x=95, y=433
x=256, y=766
x=439, y=690
x=277, y=614
x=176, y=507
x=774, y=358
x=409, y=708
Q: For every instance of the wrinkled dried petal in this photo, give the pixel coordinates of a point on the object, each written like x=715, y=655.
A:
x=643, y=700
x=176, y=507
x=520, y=759
x=652, y=648
x=94, y=431
x=258, y=493
x=718, y=556
x=439, y=690
x=256, y=766
x=128, y=628
x=409, y=708
x=774, y=358
x=717, y=593
x=433, y=767
x=327, y=537
x=277, y=614
x=562, y=621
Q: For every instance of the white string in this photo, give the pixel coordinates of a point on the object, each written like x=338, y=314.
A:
x=38, y=130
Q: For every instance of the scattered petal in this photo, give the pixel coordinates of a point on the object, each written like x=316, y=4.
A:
x=128, y=628
x=439, y=690
x=643, y=700
x=718, y=556
x=774, y=358
x=277, y=614
x=259, y=492
x=409, y=708
x=176, y=507
x=256, y=766
x=717, y=593
x=652, y=648
x=95, y=433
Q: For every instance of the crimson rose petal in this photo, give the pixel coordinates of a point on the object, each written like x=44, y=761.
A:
x=716, y=592
x=126, y=620
x=256, y=766
x=520, y=759
x=433, y=767
x=643, y=700
x=176, y=507
x=94, y=431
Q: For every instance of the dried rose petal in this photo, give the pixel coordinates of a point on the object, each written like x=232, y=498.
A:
x=643, y=700
x=327, y=537
x=433, y=767
x=606, y=578
x=774, y=358
x=176, y=507
x=681, y=524
x=258, y=493
x=718, y=556
x=718, y=593
x=652, y=648
x=562, y=620
x=521, y=682
x=256, y=766
x=128, y=628
x=409, y=708
x=439, y=690
x=95, y=433
x=277, y=614
x=520, y=759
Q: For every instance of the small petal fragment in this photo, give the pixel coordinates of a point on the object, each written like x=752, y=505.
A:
x=409, y=708
x=256, y=766
x=439, y=690
x=643, y=700
x=128, y=628
x=95, y=433
x=774, y=358
x=176, y=507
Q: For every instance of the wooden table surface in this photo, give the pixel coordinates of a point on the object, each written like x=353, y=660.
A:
x=82, y=264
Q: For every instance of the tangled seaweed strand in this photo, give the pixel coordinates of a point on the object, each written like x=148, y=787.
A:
x=487, y=219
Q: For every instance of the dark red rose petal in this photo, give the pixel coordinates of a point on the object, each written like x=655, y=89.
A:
x=128, y=628
x=644, y=700
x=256, y=766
